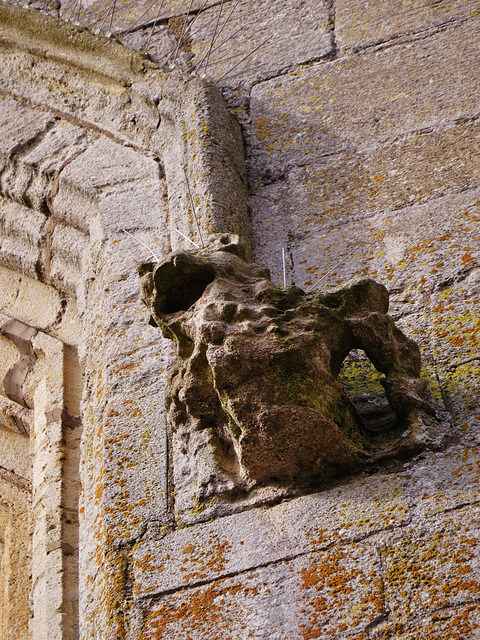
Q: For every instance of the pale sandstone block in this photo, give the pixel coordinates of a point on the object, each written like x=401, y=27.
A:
x=333, y=590
x=260, y=39
x=15, y=580
x=115, y=174
x=360, y=23
x=22, y=230
x=20, y=126
x=15, y=452
x=368, y=98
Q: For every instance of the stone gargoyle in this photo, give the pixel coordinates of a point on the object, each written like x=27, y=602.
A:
x=254, y=398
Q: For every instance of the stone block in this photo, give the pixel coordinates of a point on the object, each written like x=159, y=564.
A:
x=362, y=23
x=388, y=177
x=453, y=622
x=433, y=567
x=455, y=331
x=20, y=126
x=118, y=174
x=102, y=16
x=242, y=542
x=23, y=232
x=371, y=98
x=85, y=95
x=159, y=41
x=31, y=167
x=33, y=303
x=241, y=43
x=15, y=453
x=443, y=482
x=15, y=575
x=420, y=248
x=332, y=592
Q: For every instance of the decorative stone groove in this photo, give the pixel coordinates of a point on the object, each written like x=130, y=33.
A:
x=254, y=399
x=15, y=412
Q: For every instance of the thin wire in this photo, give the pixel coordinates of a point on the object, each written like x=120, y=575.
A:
x=187, y=238
x=214, y=37
x=248, y=69
x=220, y=45
x=232, y=57
x=70, y=9
x=105, y=17
x=184, y=29
x=153, y=26
x=246, y=57
x=114, y=5
x=199, y=11
x=131, y=29
x=222, y=42
x=168, y=55
x=142, y=243
x=193, y=208
x=315, y=284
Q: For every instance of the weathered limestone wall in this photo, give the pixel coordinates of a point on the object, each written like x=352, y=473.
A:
x=359, y=122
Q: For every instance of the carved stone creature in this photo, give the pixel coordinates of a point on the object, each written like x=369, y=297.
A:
x=254, y=398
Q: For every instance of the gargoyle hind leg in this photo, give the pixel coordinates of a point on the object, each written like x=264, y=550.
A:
x=396, y=356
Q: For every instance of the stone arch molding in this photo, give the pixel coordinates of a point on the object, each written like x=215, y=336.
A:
x=96, y=140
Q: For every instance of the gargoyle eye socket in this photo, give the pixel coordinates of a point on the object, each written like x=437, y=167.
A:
x=184, y=289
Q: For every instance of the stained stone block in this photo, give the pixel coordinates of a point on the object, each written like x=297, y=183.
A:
x=251, y=41
x=331, y=592
x=435, y=570
x=246, y=541
x=361, y=23
x=367, y=99
x=346, y=187
x=444, y=482
x=418, y=248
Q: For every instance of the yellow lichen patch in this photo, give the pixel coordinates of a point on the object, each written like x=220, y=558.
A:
x=339, y=589
x=434, y=570
x=359, y=376
x=205, y=612
x=454, y=624
x=202, y=561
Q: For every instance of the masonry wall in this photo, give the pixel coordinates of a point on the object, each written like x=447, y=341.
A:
x=359, y=122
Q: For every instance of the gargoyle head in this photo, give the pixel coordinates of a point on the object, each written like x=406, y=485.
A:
x=254, y=396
